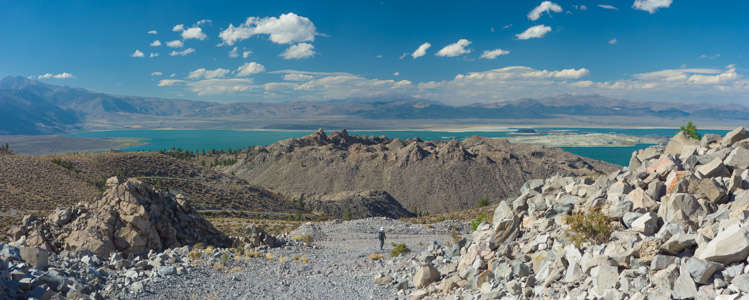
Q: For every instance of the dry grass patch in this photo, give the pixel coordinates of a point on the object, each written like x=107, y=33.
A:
x=376, y=256
x=283, y=259
x=269, y=256
x=304, y=259
x=195, y=255
x=307, y=238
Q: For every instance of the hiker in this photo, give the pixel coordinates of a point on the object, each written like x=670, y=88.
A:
x=381, y=236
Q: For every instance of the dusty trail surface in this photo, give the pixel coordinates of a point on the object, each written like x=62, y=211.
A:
x=338, y=268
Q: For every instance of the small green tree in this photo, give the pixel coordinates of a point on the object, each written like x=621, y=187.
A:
x=483, y=201
x=347, y=216
x=691, y=131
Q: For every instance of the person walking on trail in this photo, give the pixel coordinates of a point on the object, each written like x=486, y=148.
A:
x=381, y=237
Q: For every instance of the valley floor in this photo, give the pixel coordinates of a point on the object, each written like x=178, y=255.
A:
x=339, y=266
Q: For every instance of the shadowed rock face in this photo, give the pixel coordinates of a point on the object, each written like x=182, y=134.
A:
x=361, y=205
x=130, y=217
x=436, y=176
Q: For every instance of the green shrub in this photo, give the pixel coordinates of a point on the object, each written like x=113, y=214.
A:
x=347, y=216
x=399, y=249
x=475, y=223
x=589, y=226
x=691, y=131
x=483, y=201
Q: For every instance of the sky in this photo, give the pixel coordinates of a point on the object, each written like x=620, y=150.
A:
x=457, y=53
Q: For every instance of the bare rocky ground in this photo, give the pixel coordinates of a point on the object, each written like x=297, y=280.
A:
x=339, y=266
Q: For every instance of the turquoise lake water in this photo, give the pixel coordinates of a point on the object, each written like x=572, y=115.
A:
x=234, y=139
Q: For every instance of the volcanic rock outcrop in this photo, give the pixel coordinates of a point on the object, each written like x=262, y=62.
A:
x=131, y=217
x=675, y=226
x=359, y=205
x=432, y=176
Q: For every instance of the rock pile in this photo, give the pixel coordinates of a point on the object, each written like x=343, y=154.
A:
x=131, y=218
x=679, y=220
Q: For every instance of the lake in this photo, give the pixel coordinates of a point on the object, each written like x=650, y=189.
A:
x=237, y=139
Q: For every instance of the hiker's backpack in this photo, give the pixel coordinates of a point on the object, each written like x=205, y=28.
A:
x=379, y=235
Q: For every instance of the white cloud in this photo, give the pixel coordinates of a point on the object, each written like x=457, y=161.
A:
x=183, y=52
x=169, y=82
x=222, y=86
x=249, y=68
x=137, y=53
x=63, y=75
x=157, y=74
x=581, y=7
x=544, y=7
x=378, y=56
x=299, y=51
x=153, y=32
x=421, y=51
x=233, y=53
x=287, y=29
x=710, y=56
x=396, y=74
x=155, y=43
x=492, y=54
x=175, y=44
x=298, y=77
x=178, y=27
x=537, y=31
x=172, y=75
x=201, y=22
x=152, y=55
x=208, y=74
x=612, y=41
x=651, y=5
x=458, y=48
x=193, y=33
x=403, y=55
x=506, y=26
x=247, y=53
x=606, y=6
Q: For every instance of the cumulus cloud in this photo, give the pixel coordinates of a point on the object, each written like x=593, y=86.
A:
x=233, y=53
x=175, y=44
x=183, y=52
x=606, y=6
x=193, y=33
x=299, y=51
x=247, y=53
x=298, y=77
x=455, y=49
x=651, y=5
x=421, y=51
x=612, y=41
x=396, y=74
x=178, y=27
x=153, y=32
x=208, y=74
x=63, y=75
x=152, y=55
x=534, y=32
x=544, y=7
x=157, y=74
x=169, y=82
x=287, y=29
x=137, y=53
x=248, y=69
x=492, y=54
x=155, y=43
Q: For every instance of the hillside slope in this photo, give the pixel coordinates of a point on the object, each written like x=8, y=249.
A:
x=434, y=176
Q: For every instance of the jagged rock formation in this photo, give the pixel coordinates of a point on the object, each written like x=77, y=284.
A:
x=131, y=217
x=679, y=231
x=428, y=176
x=360, y=205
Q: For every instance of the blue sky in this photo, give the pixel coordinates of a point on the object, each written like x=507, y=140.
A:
x=662, y=50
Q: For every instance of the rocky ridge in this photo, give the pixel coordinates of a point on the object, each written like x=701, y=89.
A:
x=680, y=231
x=450, y=174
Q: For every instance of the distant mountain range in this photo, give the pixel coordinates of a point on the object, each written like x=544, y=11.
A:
x=29, y=107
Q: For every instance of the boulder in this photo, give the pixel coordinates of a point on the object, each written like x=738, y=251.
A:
x=738, y=159
x=714, y=168
x=729, y=246
x=710, y=189
x=641, y=200
x=661, y=262
x=383, y=280
x=702, y=270
x=425, y=275
x=35, y=256
x=647, y=223
x=684, y=287
x=606, y=277
x=678, y=242
x=130, y=217
x=734, y=136
x=677, y=143
x=741, y=282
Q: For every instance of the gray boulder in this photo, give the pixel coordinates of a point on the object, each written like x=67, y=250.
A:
x=734, y=136
x=702, y=270
x=729, y=246
x=425, y=275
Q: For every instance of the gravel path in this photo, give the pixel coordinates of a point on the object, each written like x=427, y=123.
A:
x=338, y=268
